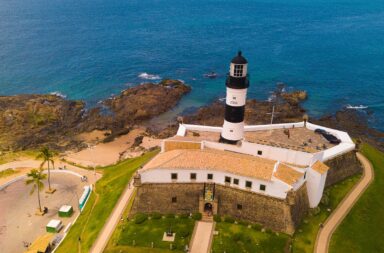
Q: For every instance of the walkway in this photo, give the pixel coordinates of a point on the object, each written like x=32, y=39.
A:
x=110, y=225
x=330, y=225
x=202, y=237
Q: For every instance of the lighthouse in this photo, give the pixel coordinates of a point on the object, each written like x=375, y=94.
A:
x=237, y=84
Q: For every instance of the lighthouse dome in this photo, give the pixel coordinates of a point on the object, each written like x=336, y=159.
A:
x=239, y=59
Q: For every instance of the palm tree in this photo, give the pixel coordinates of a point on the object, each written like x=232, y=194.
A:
x=36, y=177
x=47, y=155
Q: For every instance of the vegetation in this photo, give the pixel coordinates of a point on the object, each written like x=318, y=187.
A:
x=240, y=238
x=6, y=157
x=100, y=205
x=147, y=236
x=362, y=229
x=305, y=236
x=47, y=156
x=35, y=178
x=7, y=172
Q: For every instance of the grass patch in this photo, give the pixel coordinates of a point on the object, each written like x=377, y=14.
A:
x=133, y=237
x=6, y=157
x=7, y=172
x=362, y=229
x=305, y=236
x=100, y=205
x=240, y=238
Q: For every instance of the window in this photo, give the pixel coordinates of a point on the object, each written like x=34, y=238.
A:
x=210, y=176
x=239, y=207
x=236, y=181
x=238, y=71
x=262, y=187
x=259, y=152
x=193, y=176
x=174, y=199
x=305, y=175
x=174, y=176
x=227, y=180
x=248, y=184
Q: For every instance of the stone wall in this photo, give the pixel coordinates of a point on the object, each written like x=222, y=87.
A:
x=342, y=167
x=158, y=198
x=273, y=213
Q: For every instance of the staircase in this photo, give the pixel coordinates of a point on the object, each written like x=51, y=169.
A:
x=207, y=218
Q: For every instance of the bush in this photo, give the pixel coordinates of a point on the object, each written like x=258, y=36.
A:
x=257, y=227
x=140, y=218
x=170, y=215
x=217, y=218
x=184, y=233
x=243, y=222
x=314, y=211
x=229, y=219
x=196, y=216
x=183, y=216
x=156, y=216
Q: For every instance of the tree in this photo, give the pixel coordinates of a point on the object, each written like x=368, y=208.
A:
x=35, y=177
x=47, y=155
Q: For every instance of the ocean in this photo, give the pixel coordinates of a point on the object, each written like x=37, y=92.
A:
x=91, y=50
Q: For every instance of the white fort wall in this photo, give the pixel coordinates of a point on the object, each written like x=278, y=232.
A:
x=275, y=189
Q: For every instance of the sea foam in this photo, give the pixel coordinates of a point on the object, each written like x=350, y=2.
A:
x=147, y=76
x=356, y=107
x=58, y=94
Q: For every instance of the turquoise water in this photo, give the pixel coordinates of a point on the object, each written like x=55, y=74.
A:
x=92, y=49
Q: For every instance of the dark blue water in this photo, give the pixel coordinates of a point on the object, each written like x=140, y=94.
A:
x=92, y=49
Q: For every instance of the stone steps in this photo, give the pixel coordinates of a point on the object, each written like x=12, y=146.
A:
x=207, y=218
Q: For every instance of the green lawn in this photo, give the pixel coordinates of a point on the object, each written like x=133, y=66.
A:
x=239, y=238
x=100, y=205
x=305, y=236
x=363, y=228
x=233, y=238
x=132, y=237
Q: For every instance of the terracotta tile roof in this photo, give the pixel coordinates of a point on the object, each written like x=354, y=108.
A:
x=320, y=167
x=171, y=145
x=287, y=174
x=240, y=164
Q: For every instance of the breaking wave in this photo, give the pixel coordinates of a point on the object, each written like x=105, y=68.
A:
x=58, y=94
x=147, y=76
x=356, y=107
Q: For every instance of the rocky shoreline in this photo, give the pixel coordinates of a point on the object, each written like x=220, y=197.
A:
x=30, y=121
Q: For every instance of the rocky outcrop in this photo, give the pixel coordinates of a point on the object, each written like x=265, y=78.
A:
x=29, y=121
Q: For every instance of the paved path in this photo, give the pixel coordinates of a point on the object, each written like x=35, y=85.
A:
x=330, y=225
x=110, y=225
x=202, y=237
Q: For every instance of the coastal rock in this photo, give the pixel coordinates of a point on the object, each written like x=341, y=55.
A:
x=295, y=97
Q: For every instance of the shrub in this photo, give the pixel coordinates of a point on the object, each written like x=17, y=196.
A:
x=237, y=237
x=140, y=218
x=314, y=211
x=257, y=227
x=217, y=218
x=196, y=216
x=243, y=222
x=156, y=216
x=229, y=219
x=183, y=216
x=184, y=233
x=170, y=215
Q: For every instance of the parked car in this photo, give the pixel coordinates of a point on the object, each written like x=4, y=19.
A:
x=320, y=131
x=331, y=138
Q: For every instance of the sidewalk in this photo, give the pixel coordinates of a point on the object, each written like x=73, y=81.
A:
x=106, y=232
x=325, y=234
x=202, y=237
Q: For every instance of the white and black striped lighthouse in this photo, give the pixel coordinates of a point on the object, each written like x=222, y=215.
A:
x=237, y=84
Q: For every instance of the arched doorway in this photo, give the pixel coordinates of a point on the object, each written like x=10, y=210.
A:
x=208, y=208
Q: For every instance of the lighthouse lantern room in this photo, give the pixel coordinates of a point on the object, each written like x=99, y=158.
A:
x=237, y=84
